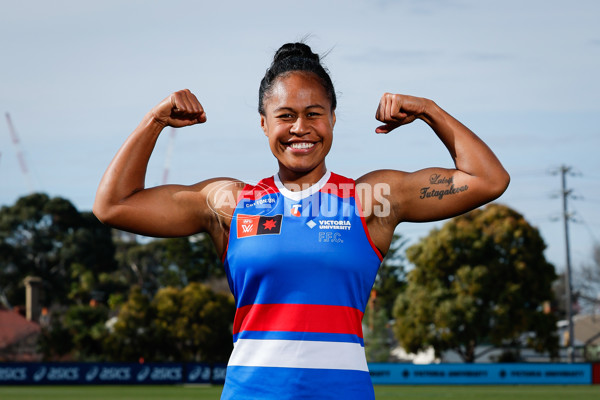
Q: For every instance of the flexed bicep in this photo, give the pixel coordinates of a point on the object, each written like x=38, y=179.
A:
x=123, y=201
x=434, y=194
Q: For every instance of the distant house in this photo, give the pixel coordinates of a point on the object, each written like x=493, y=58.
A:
x=18, y=337
x=587, y=329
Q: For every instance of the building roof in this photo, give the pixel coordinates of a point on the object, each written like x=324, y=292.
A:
x=14, y=328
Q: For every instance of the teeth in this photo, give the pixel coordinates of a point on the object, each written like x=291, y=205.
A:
x=302, y=145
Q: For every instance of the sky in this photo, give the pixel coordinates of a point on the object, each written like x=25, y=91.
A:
x=77, y=77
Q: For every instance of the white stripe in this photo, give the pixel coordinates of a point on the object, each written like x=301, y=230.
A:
x=297, y=196
x=298, y=354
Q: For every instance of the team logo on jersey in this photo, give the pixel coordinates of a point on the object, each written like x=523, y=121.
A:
x=296, y=210
x=252, y=225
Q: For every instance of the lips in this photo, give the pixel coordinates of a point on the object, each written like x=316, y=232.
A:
x=300, y=147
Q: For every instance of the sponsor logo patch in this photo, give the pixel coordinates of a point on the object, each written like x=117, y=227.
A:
x=296, y=210
x=342, y=224
x=253, y=225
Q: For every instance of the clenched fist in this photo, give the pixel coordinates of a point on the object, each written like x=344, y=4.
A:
x=397, y=109
x=180, y=109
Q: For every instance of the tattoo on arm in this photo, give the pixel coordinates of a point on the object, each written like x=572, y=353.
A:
x=448, y=189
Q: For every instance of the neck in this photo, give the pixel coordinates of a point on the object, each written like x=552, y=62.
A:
x=293, y=180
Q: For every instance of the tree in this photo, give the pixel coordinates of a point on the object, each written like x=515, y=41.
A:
x=168, y=262
x=389, y=283
x=587, y=283
x=189, y=324
x=48, y=237
x=378, y=341
x=131, y=336
x=391, y=276
x=481, y=278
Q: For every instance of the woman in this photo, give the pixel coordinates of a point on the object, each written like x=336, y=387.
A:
x=302, y=248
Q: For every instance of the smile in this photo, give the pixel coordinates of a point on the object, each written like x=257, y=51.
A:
x=301, y=145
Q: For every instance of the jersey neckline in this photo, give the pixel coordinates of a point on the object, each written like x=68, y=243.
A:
x=296, y=196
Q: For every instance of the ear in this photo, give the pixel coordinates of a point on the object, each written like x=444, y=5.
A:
x=263, y=124
x=333, y=119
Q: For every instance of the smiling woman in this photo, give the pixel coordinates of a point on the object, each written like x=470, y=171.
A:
x=299, y=120
x=301, y=248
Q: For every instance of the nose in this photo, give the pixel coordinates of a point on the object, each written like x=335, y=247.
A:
x=300, y=127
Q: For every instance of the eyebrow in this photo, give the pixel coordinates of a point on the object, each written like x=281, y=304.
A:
x=291, y=109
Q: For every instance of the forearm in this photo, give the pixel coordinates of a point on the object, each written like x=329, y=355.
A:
x=126, y=173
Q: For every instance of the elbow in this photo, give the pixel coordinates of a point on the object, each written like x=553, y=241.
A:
x=499, y=184
x=103, y=211
x=99, y=212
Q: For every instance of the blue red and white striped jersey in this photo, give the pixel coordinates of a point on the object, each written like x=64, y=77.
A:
x=300, y=266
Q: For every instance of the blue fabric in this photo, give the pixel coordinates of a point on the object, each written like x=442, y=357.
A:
x=296, y=384
x=311, y=251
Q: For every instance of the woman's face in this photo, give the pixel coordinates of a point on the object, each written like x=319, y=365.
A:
x=299, y=122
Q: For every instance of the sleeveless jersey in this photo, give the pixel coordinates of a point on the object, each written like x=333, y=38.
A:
x=300, y=266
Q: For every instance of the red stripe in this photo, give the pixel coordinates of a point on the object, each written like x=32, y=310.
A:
x=365, y=228
x=339, y=186
x=298, y=318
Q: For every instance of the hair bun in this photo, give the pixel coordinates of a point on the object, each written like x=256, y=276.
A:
x=289, y=58
x=294, y=50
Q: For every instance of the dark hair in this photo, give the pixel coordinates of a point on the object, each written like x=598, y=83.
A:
x=294, y=57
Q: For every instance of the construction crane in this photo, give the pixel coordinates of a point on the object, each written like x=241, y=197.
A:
x=17, y=143
x=169, y=156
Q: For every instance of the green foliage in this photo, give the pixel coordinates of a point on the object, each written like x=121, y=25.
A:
x=77, y=333
x=86, y=326
x=391, y=276
x=481, y=278
x=164, y=317
x=189, y=324
x=168, y=262
x=55, y=341
x=389, y=283
x=131, y=336
x=378, y=343
x=47, y=237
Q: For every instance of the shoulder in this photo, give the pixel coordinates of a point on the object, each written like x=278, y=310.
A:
x=220, y=196
x=252, y=191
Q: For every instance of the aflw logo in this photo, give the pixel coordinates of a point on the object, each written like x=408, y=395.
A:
x=247, y=228
x=252, y=225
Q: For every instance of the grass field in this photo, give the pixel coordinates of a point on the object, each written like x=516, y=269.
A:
x=381, y=392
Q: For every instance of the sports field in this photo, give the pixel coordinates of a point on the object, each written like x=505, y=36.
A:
x=381, y=392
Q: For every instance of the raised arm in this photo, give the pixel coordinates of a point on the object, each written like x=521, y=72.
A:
x=122, y=200
x=433, y=193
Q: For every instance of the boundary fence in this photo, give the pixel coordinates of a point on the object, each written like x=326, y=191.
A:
x=381, y=374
